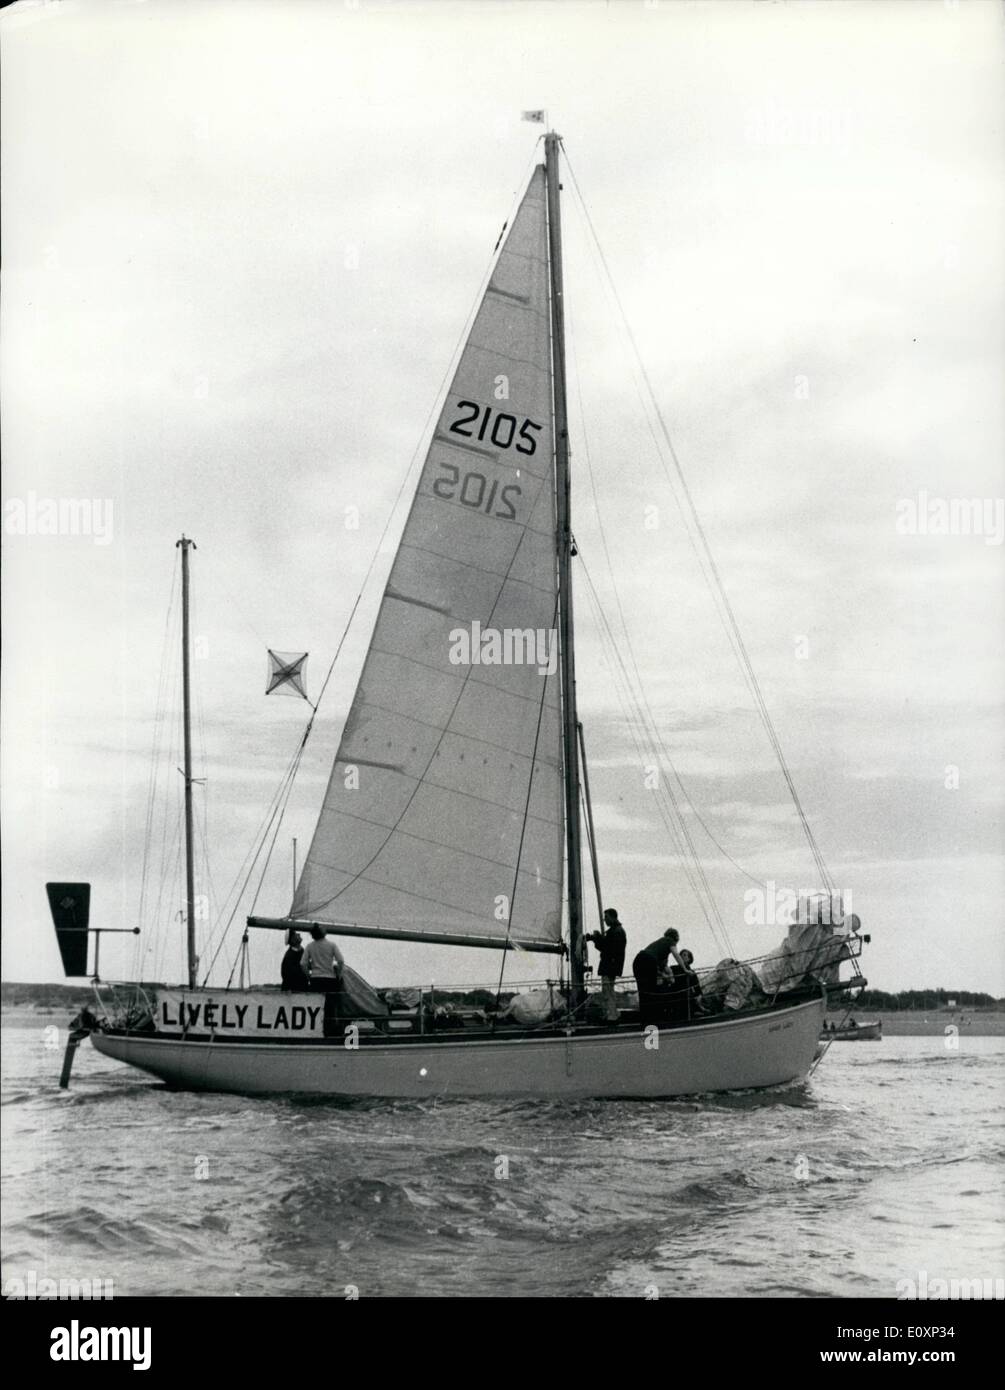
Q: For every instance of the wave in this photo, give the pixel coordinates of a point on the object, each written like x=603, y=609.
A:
x=103, y=1233
x=114, y=1091
x=19, y=1098
x=956, y=1057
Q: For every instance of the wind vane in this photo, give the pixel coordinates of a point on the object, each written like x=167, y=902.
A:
x=287, y=673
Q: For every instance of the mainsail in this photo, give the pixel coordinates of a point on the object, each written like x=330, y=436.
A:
x=443, y=813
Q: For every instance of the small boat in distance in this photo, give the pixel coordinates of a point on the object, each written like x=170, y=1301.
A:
x=869, y=1030
x=457, y=812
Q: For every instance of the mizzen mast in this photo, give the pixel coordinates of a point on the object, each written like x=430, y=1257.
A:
x=193, y=960
x=570, y=722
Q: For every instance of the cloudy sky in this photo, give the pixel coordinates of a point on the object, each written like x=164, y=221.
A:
x=240, y=242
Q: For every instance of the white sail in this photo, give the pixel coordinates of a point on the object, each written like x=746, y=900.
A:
x=443, y=812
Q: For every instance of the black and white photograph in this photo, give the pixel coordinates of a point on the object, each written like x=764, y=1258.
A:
x=503, y=685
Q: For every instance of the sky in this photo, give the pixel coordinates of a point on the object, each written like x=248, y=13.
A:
x=240, y=244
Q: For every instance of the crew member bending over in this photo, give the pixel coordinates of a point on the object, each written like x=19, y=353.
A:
x=649, y=968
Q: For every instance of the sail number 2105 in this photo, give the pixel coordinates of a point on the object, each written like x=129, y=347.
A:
x=504, y=432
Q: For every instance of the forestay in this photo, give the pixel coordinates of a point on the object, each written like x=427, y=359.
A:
x=443, y=813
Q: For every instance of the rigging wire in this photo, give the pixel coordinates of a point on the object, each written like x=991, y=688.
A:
x=666, y=804
x=586, y=811
x=170, y=872
x=201, y=824
x=169, y=893
x=526, y=817
x=244, y=874
x=704, y=554
x=636, y=708
x=640, y=685
x=164, y=682
x=726, y=611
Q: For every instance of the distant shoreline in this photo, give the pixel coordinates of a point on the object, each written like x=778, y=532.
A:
x=932, y=1023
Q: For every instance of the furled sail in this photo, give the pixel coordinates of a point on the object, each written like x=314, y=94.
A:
x=443, y=813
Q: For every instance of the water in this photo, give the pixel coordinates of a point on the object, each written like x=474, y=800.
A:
x=888, y=1163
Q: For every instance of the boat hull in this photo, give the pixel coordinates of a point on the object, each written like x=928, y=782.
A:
x=754, y=1051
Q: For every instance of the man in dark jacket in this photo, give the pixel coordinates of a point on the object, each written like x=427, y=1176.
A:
x=648, y=966
x=611, y=944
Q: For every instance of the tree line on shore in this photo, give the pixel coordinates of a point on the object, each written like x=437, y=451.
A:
x=54, y=996
x=921, y=999
x=58, y=996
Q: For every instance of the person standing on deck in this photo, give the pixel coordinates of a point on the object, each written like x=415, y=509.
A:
x=647, y=967
x=323, y=962
x=292, y=967
x=611, y=943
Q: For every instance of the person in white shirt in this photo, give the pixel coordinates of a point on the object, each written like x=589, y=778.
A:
x=322, y=962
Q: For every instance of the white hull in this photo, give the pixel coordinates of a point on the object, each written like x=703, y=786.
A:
x=767, y=1049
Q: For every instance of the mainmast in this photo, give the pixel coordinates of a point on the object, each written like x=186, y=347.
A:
x=193, y=962
x=570, y=723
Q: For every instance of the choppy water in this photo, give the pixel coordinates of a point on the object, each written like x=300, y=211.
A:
x=888, y=1163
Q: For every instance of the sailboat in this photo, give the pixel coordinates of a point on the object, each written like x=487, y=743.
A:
x=454, y=813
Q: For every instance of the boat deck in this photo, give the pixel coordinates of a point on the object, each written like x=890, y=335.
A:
x=383, y=1033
